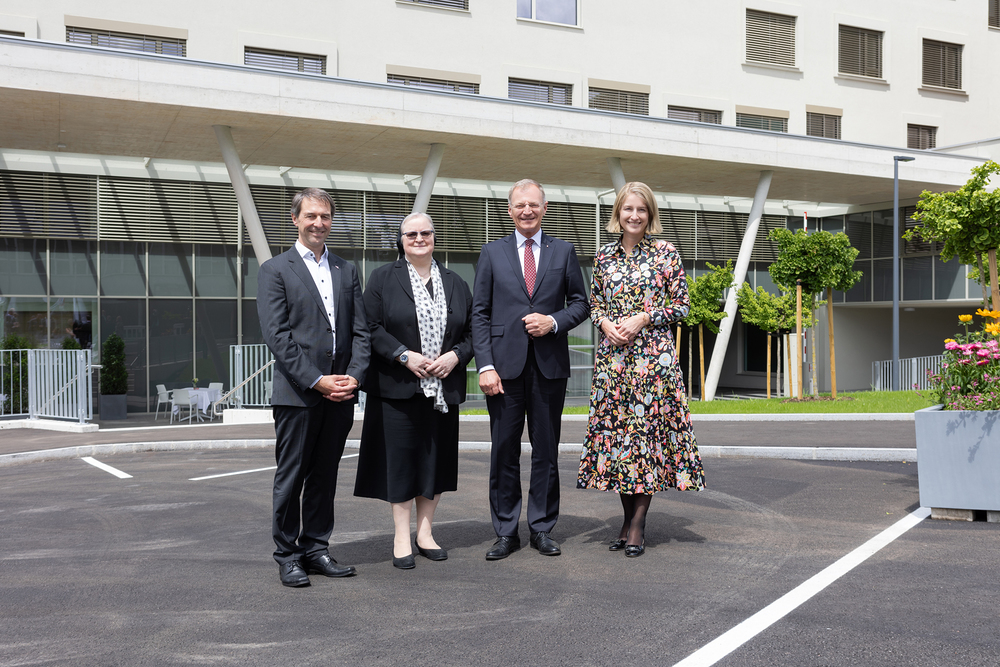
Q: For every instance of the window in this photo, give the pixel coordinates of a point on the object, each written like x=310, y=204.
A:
x=860, y=52
x=823, y=125
x=770, y=38
x=995, y=13
x=434, y=84
x=697, y=115
x=552, y=11
x=169, y=46
x=11, y=33
x=296, y=62
x=942, y=64
x=540, y=91
x=452, y=4
x=762, y=122
x=921, y=136
x=618, y=100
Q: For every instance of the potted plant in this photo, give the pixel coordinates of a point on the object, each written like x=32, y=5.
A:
x=114, y=379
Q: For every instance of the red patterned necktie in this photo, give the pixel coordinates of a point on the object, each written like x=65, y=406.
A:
x=529, y=266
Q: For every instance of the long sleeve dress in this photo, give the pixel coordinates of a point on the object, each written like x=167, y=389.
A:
x=639, y=438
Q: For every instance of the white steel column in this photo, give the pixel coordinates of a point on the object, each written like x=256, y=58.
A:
x=617, y=174
x=742, y=262
x=224, y=135
x=427, y=180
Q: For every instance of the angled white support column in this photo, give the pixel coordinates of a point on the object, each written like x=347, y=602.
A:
x=742, y=262
x=224, y=135
x=427, y=180
x=617, y=174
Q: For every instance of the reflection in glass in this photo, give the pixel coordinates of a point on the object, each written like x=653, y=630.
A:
x=171, y=358
x=859, y=231
x=251, y=324
x=123, y=269
x=464, y=264
x=215, y=270
x=882, y=234
x=833, y=224
x=215, y=323
x=918, y=282
x=127, y=318
x=72, y=321
x=170, y=269
x=862, y=290
x=22, y=266
x=762, y=278
x=882, y=280
x=949, y=279
x=27, y=318
x=73, y=267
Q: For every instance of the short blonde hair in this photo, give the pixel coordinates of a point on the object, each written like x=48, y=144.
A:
x=644, y=193
x=524, y=184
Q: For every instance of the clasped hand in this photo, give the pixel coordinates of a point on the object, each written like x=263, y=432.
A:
x=337, y=388
x=423, y=367
x=625, y=331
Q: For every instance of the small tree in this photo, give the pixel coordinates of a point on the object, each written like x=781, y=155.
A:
x=14, y=377
x=114, y=375
x=706, y=292
x=765, y=311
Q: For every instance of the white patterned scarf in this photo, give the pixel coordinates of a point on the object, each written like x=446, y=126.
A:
x=432, y=315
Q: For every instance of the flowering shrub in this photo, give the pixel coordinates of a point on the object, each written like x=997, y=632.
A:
x=969, y=378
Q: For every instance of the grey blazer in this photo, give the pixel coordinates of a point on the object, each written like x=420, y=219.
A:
x=297, y=330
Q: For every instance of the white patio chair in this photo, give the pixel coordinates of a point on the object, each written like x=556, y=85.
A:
x=162, y=398
x=213, y=386
x=268, y=384
x=183, y=400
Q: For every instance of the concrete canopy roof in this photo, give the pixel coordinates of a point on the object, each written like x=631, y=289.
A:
x=104, y=102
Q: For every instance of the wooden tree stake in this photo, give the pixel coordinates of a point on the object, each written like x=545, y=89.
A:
x=798, y=338
x=994, y=288
x=768, y=364
x=833, y=355
x=701, y=354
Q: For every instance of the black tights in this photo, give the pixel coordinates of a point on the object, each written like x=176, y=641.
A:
x=634, y=524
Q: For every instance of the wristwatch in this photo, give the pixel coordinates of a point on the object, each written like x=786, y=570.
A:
x=403, y=358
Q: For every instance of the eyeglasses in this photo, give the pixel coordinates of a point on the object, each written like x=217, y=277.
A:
x=425, y=234
x=520, y=207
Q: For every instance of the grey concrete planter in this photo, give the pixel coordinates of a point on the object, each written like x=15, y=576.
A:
x=113, y=406
x=958, y=459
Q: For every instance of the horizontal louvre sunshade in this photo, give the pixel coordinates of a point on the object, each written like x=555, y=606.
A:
x=823, y=125
x=860, y=51
x=698, y=115
x=770, y=38
x=618, y=100
x=762, y=122
x=121, y=40
x=384, y=211
x=434, y=84
x=942, y=64
x=11, y=33
x=540, y=91
x=921, y=136
x=48, y=205
x=995, y=13
x=498, y=222
x=459, y=223
x=274, y=204
x=296, y=62
x=134, y=209
x=573, y=223
x=917, y=245
x=453, y=4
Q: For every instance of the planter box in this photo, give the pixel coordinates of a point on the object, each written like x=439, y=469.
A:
x=958, y=459
x=113, y=407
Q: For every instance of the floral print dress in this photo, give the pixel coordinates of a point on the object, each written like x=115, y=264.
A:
x=639, y=438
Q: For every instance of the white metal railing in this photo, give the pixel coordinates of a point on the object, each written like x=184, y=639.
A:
x=60, y=385
x=912, y=372
x=14, y=383
x=251, y=372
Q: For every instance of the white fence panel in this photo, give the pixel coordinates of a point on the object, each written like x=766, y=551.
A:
x=912, y=372
x=60, y=383
x=244, y=361
x=14, y=383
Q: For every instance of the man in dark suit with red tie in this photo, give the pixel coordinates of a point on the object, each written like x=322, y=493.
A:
x=529, y=294
x=313, y=320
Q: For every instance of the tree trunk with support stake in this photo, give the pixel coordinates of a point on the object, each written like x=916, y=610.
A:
x=833, y=354
x=994, y=288
x=701, y=355
x=798, y=338
x=812, y=335
x=768, y=395
x=690, y=365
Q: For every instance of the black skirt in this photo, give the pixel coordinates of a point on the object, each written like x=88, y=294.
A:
x=408, y=449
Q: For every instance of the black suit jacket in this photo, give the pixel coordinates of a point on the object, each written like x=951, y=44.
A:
x=501, y=299
x=297, y=330
x=392, y=318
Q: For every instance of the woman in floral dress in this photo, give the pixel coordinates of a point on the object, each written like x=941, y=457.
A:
x=639, y=439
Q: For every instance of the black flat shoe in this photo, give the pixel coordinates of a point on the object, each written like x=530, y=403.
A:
x=432, y=554
x=404, y=563
x=616, y=545
x=635, y=550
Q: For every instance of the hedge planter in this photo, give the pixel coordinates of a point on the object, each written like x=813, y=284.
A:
x=958, y=461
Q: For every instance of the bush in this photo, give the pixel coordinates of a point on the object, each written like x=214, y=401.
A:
x=114, y=375
x=14, y=380
x=70, y=343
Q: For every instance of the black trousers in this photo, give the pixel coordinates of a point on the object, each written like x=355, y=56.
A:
x=533, y=395
x=309, y=444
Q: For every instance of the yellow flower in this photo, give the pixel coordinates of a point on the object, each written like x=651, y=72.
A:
x=986, y=313
x=993, y=328
x=967, y=318
x=949, y=340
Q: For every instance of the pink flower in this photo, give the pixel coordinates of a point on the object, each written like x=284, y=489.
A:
x=982, y=361
x=951, y=346
x=982, y=353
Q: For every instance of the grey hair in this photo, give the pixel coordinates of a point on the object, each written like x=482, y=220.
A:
x=521, y=185
x=399, y=236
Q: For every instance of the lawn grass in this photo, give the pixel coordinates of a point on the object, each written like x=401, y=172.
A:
x=853, y=401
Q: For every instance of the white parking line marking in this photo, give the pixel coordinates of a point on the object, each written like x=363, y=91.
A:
x=106, y=468
x=245, y=472
x=729, y=641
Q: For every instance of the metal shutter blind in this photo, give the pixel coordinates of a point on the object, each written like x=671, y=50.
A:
x=822, y=125
x=296, y=62
x=434, y=84
x=384, y=211
x=274, y=205
x=618, y=100
x=860, y=52
x=770, y=38
x=698, y=115
x=942, y=64
x=459, y=223
x=995, y=13
x=921, y=136
x=134, y=209
x=454, y=4
x=678, y=229
x=762, y=122
x=573, y=223
x=120, y=40
x=916, y=246
x=540, y=91
x=48, y=205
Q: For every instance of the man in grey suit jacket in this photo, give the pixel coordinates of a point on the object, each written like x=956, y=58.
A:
x=529, y=294
x=313, y=320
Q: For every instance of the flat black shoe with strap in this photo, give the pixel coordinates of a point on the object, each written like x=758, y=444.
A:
x=635, y=550
x=616, y=545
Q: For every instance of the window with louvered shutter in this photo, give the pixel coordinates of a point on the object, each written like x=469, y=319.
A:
x=762, y=122
x=295, y=62
x=860, y=52
x=451, y=4
x=434, y=84
x=11, y=33
x=122, y=40
x=995, y=13
x=921, y=136
x=58, y=206
x=618, y=100
x=823, y=125
x=697, y=115
x=942, y=64
x=540, y=91
x=770, y=38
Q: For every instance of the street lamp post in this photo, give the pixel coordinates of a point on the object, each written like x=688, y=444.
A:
x=895, y=267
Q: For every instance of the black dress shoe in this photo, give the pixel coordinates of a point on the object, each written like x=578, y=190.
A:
x=503, y=547
x=635, y=550
x=616, y=545
x=328, y=567
x=545, y=544
x=432, y=554
x=292, y=574
x=404, y=563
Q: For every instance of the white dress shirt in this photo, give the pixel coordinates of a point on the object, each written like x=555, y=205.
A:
x=319, y=269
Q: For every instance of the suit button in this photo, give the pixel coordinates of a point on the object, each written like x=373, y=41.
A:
x=329, y=353
x=329, y=330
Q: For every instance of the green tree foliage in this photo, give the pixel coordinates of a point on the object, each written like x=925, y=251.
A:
x=14, y=377
x=820, y=260
x=114, y=375
x=707, y=292
x=70, y=343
